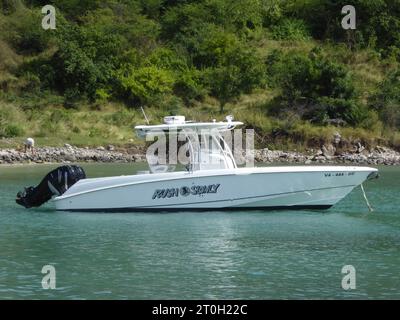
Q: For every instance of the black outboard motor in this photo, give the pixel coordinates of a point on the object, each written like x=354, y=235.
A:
x=55, y=183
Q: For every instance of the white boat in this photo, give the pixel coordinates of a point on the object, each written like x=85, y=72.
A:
x=213, y=181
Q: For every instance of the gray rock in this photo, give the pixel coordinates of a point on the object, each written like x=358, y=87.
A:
x=70, y=157
x=328, y=150
x=319, y=158
x=360, y=148
x=337, y=138
x=319, y=153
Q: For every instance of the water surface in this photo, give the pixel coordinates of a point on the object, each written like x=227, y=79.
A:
x=206, y=255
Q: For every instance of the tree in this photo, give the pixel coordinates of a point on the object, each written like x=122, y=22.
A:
x=189, y=85
x=25, y=33
x=239, y=71
x=378, y=21
x=237, y=16
x=314, y=87
x=143, y=85
x=386, y=100
x=85, y=60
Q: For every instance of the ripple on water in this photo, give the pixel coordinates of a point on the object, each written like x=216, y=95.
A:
x=209, y=255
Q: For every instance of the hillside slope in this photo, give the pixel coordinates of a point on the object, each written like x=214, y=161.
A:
x=285, y=68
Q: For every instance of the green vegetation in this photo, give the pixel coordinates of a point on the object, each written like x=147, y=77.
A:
x=285, y=67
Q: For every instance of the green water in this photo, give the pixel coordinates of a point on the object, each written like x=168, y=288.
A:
x=207, y=255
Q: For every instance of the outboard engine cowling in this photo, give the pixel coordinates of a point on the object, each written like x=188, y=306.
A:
x=55, y=183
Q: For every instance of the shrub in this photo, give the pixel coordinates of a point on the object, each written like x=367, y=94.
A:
x=290, y=29
x=272, y=12
x=189, y=85
x=30, y=82
x=171, y=105
x=233, y=69
x=12, y=130
x=316, y=88
x=72, y=97
x=144, y=84
x=386, y=100
x=165, y=58
x=86, y=60
x=352, y=112
x=102, y=95
x=59, y=115
x=25, y=31
x=121, y=118
x=183, y=21
x=378, y=21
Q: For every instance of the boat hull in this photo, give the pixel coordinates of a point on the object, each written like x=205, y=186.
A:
x=233, y=189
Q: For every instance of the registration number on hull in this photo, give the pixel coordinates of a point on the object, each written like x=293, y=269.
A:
x=338, y=174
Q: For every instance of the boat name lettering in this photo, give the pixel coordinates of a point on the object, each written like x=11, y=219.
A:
x=185, y=191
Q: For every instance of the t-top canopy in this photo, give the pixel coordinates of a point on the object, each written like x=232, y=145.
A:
x=142, y=130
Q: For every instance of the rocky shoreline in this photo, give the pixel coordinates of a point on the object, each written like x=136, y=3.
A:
x=71, y=154
x=325, y=155
x=377, y=156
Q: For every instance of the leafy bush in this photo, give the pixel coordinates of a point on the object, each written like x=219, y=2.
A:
x=142, y=85
x=125, y=20
x=212, y=45
x=30, y=82
x=290, y=29
x=166, y=58
x=182, y=22
x=189, y=85
x=102, y=95
x=11, y=130
x=59, y=115
x=326, y=108
x=171, y=105
x=25, y=31
x=8, y=7
x=237, y=70
x=318, y=89
x=121, y=118
x=72, y=8
x=272, y=12
x=378, y=21
x=85, y=60
x=386, y=101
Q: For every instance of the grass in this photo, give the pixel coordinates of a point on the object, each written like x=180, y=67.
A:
x=55, y=126
x=113, y=123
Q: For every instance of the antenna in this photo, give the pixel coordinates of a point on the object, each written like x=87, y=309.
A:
x=144, y=113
